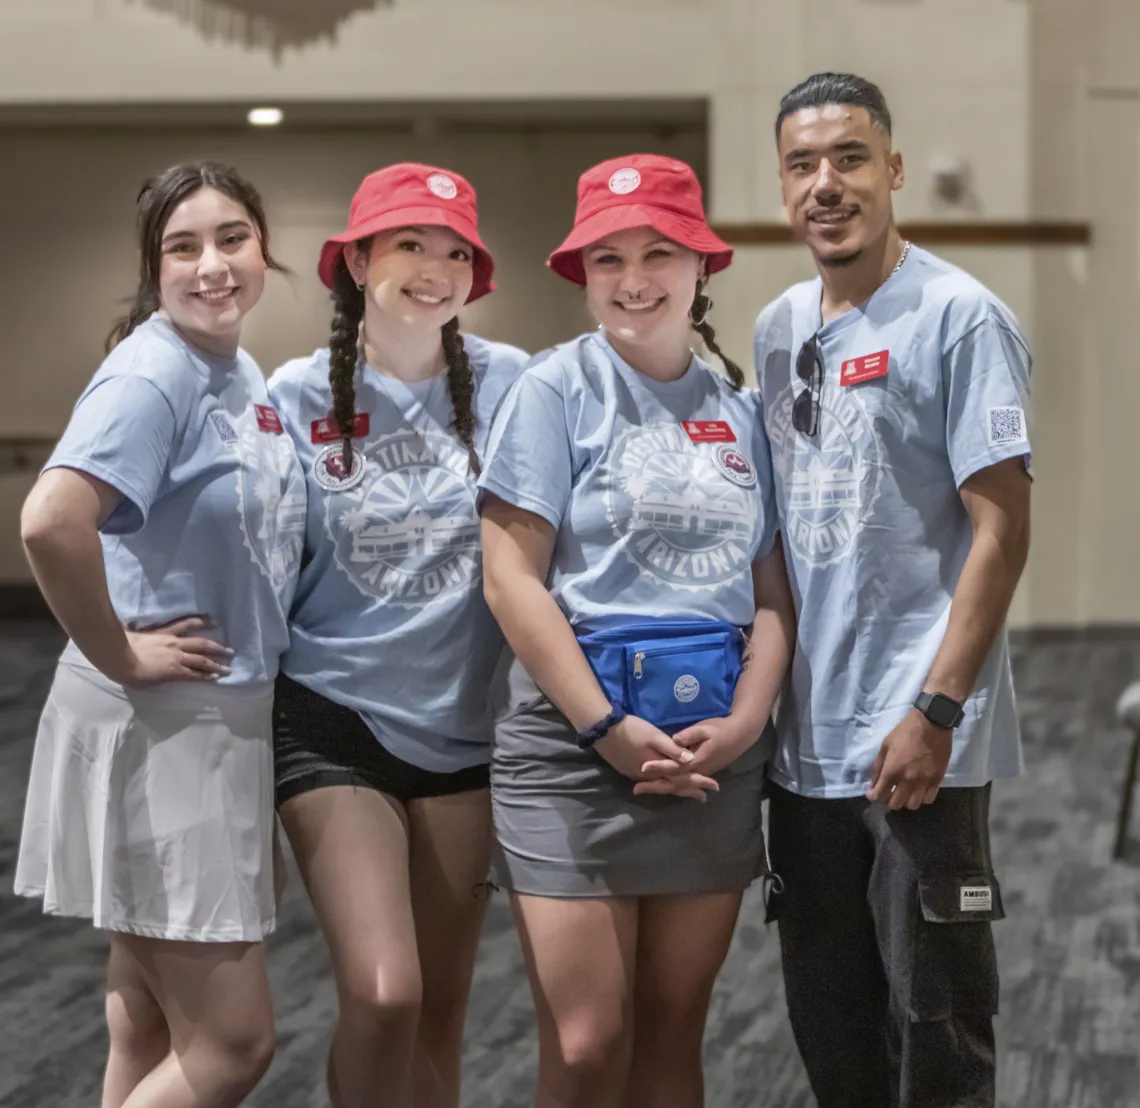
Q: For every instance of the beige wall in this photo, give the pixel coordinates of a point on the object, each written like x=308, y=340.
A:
x=1040, y=102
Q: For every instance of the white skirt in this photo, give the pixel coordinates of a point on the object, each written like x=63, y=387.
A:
x=151, y=811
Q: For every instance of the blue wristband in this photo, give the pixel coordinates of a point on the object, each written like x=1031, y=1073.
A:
x=587, y=738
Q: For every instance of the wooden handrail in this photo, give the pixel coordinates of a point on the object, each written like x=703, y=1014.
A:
x=935, y=233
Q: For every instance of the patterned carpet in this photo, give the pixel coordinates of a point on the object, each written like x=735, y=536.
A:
x=1069, y=1033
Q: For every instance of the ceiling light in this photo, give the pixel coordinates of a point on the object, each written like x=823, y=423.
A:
x=265, y=117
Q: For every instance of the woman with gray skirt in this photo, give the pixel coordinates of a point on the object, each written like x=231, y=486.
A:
x=630, y=557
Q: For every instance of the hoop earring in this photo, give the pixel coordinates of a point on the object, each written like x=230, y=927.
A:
x=699, y=312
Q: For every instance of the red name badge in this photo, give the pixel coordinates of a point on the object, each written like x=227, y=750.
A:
x=866, y=368
x=708, y=430
x=268, y=419
x=326, y=430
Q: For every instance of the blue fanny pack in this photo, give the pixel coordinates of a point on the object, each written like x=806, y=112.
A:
x=669, y=672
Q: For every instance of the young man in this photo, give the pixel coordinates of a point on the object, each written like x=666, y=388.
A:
x=894, y=389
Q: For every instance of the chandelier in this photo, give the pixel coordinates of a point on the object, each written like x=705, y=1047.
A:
x=268, y=24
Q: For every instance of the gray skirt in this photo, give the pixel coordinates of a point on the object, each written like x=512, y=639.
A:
x=568, y=825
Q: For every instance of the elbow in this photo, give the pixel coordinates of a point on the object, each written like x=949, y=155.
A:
x=39, y=524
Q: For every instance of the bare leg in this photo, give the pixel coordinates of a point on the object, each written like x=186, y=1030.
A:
x=215, y=997
x=136, y=1027
x=682, y=942
x=580, y=957
x=451, y=850
x=351, y=845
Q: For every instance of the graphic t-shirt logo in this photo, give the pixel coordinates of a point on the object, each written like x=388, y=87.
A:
x=271, y=500
x=831, y=480
x=679, y=515
x=408, y=532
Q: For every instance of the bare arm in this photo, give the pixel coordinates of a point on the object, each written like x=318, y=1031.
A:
x=770, y=646
x=912, y=761
x=59, y=527
x=517, y=547
x=719, y=742
x=997, y=502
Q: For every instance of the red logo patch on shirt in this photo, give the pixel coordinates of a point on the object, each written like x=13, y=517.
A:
x=708, y=430
x=866, y=368
x=268, y=419
x=326, y=430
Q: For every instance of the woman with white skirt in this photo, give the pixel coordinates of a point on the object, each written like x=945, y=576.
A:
x=166, y=532
x=630, y=555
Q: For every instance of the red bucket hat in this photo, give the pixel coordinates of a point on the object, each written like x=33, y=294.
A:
x=409, y=194
x=640, y=190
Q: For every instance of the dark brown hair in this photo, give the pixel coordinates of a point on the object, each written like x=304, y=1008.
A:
x=698, y=317
x=344, y=353
x=156, y=202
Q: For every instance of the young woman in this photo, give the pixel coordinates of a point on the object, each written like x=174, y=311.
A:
x=165, y=533
x=629, y=536
x=383, y=715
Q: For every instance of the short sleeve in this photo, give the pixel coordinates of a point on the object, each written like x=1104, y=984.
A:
x=529, y=460
x=986, y=381
x=121, y=432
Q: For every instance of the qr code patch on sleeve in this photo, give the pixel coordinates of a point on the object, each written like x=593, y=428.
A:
x=1005, y=425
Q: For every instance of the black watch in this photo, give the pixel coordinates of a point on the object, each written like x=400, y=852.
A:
x=943, y=711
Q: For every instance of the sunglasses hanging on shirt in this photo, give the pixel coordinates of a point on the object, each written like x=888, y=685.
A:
x=809, y=369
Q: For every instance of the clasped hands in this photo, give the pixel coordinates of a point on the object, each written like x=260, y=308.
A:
x=681, y=765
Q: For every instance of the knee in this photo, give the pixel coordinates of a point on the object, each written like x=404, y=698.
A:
x=235, y=1054
x=595, y=1054
x=382, y=1000
x=671, y=1027
x=248, y=1050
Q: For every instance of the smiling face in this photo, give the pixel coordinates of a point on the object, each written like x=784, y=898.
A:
x=212, y=269
x=640, y=286
x=837, y=173
x=414, y=277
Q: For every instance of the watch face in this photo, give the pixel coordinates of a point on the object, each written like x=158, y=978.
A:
x=943, y=712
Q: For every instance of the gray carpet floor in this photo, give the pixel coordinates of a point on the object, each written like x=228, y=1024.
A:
x=1069, y=1031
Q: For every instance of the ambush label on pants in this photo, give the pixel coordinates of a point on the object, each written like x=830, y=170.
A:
x=975, y=898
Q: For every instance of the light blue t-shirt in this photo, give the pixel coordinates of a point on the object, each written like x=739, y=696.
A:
x=661, y=492
x=390, y=618
x=213, y=509
x=873, y=524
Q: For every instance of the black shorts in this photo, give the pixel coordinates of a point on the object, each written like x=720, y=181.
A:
x=318, y=743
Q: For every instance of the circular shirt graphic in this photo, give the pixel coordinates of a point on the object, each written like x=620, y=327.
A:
x=830, y=480
x=443, y=186
x=734, y=465
x=328, y=468
x=686, y=688
x=624, y=181
x=408, y=531
x=271, y=501
x=681, y=518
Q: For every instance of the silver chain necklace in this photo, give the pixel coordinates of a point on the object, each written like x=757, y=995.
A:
x=902, y=259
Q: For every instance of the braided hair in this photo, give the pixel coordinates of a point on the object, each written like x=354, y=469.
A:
x=698, y=317
x=461, y=389
x=348, y=311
